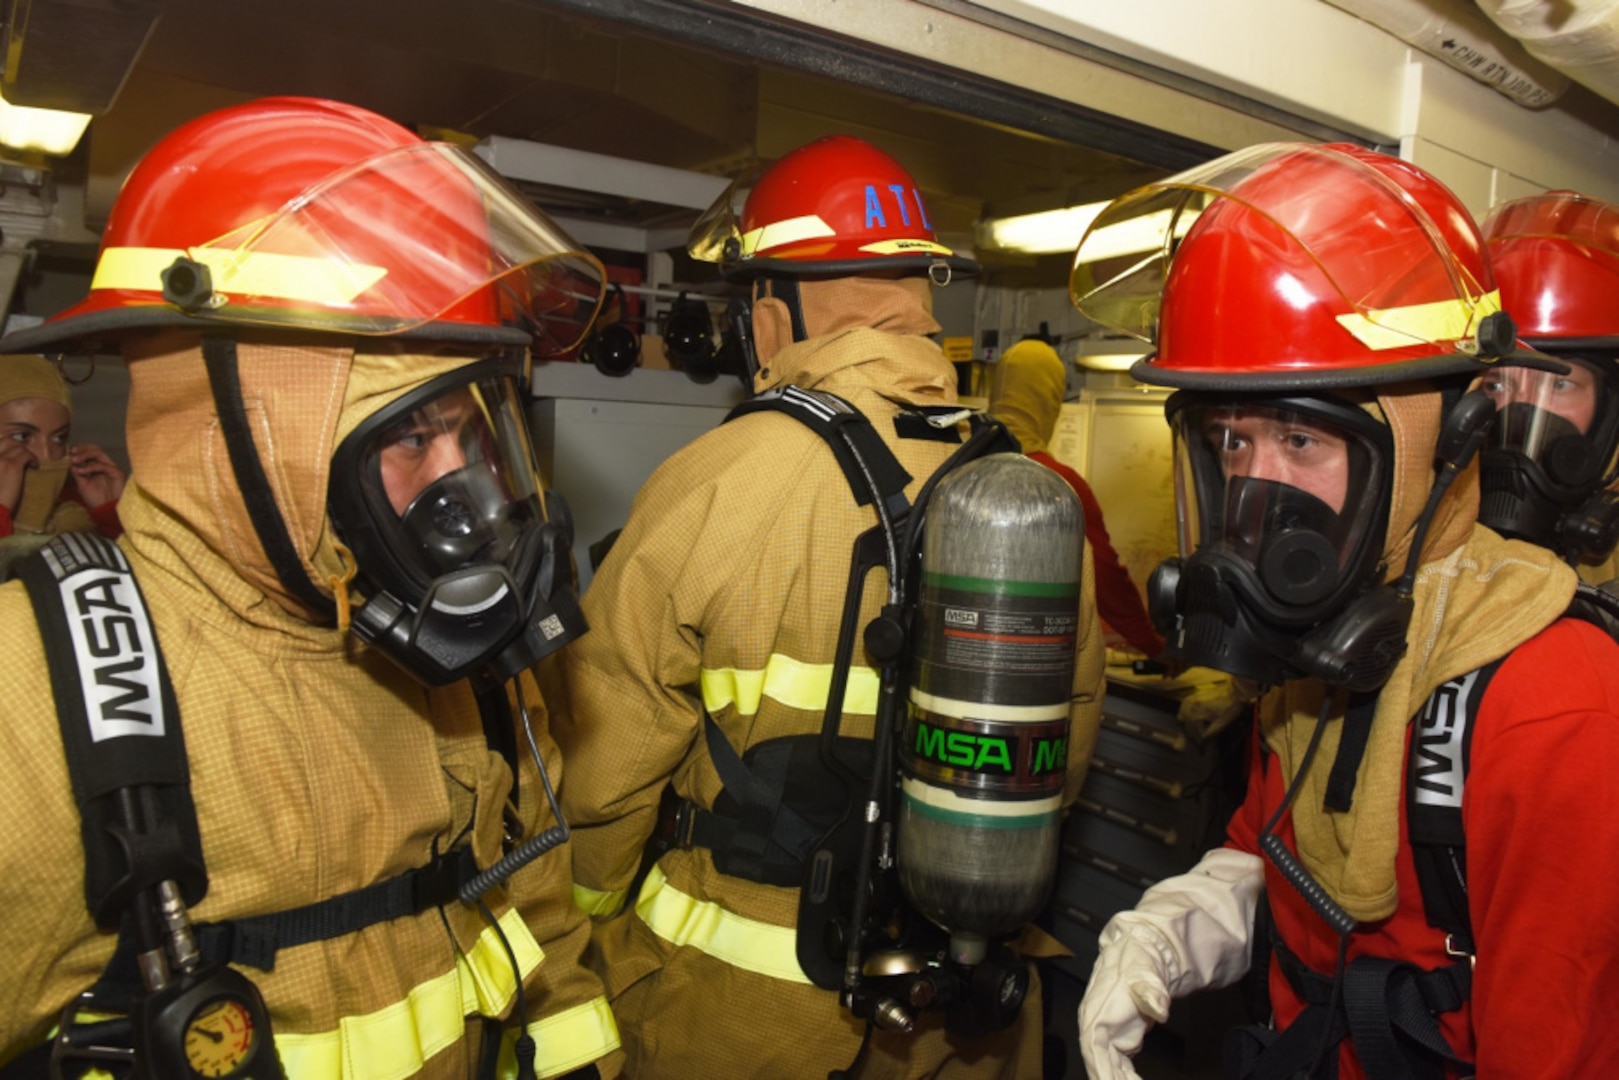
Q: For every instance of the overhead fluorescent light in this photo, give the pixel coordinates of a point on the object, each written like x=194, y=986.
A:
x=1109, y=361
x=49, y=131
x=1108, y=354
x=1051, y=231
x=1042, y=233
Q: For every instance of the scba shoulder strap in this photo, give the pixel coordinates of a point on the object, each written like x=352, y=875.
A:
x=1436, y=780
x=120, y=724
x=865, y=459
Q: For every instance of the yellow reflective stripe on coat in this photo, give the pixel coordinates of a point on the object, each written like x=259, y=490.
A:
x=761, y=948
x=397, y=1040
x=568, y=1040
x=791, y=682
x=246, y=273
x=596, y=903
x=1417, y=324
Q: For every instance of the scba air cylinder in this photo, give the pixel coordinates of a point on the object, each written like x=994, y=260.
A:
x=985, y=745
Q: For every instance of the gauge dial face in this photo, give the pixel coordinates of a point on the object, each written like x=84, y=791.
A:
x=219, y=1038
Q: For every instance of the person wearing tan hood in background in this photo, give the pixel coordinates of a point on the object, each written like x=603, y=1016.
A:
x=1033, y=381
x=48, y=484
x=335, y=521
x=714, y=625
x=1429, y=802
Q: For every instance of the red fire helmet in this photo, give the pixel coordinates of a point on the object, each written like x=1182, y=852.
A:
x=299, y=212
x=1287, y=266
x=835, y=206
x=1556, y=258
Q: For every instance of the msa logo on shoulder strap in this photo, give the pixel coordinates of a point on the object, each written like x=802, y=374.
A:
x=1440, y=743
x=120, y=725
x=111, y=634
x=1436, y=780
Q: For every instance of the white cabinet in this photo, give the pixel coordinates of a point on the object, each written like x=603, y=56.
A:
x=599, y=443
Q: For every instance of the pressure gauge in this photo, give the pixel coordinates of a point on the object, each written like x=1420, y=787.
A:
x=208, y=1025
x=220, y=1038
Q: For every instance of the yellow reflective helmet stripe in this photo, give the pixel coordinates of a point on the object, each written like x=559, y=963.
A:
x=906, y=246
x=395, y=1041
x=1403, y=327
x=791, y=682
x=246, y=273
x=596, y=903
x=791, y=231
x=679, y=919
x=567, y=1040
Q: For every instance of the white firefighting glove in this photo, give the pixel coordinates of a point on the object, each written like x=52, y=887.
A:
x=1187, y=933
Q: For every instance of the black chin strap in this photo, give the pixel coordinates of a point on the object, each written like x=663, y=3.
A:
x=224, y=377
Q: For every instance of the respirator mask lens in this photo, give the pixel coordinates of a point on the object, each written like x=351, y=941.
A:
x=1558, y=421
x=449, y=482
x=1289, y=496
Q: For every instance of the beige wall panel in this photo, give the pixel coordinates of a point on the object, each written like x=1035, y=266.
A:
x=1120, y=444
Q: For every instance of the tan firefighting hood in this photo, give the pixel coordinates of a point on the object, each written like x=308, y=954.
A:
x=855, y=320
x=1477, y=597
x=39, y=511
x=1033, y=382
x=301, y=401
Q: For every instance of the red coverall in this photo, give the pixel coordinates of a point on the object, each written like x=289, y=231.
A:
x=1542, y=838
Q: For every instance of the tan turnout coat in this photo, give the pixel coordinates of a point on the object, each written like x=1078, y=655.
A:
x=725, y=591
x=317, y=766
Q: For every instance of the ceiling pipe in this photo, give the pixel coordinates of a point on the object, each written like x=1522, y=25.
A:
x=1456, y=33
x=1577, y=37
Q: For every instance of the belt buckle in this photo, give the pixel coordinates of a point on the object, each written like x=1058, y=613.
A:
x=685, y=822
x=1452, y=951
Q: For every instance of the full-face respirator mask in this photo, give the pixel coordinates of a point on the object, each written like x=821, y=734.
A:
x=1282, y=504
x=438, y=497
x=1550, y=458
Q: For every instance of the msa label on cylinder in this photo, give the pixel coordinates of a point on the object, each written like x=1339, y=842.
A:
x=1020, y=759
x=1000, y=642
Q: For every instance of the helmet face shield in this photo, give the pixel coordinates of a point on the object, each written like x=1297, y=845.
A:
x=716, y=235
x=1557, y=215
x=470, y=249
x=1285, y=262
x=1556, y=258
x=438, y=497
x=1294, y=493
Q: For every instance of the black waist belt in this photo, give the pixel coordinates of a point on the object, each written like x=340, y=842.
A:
x=254, y=942
x=752, y=831
x=778, y=800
